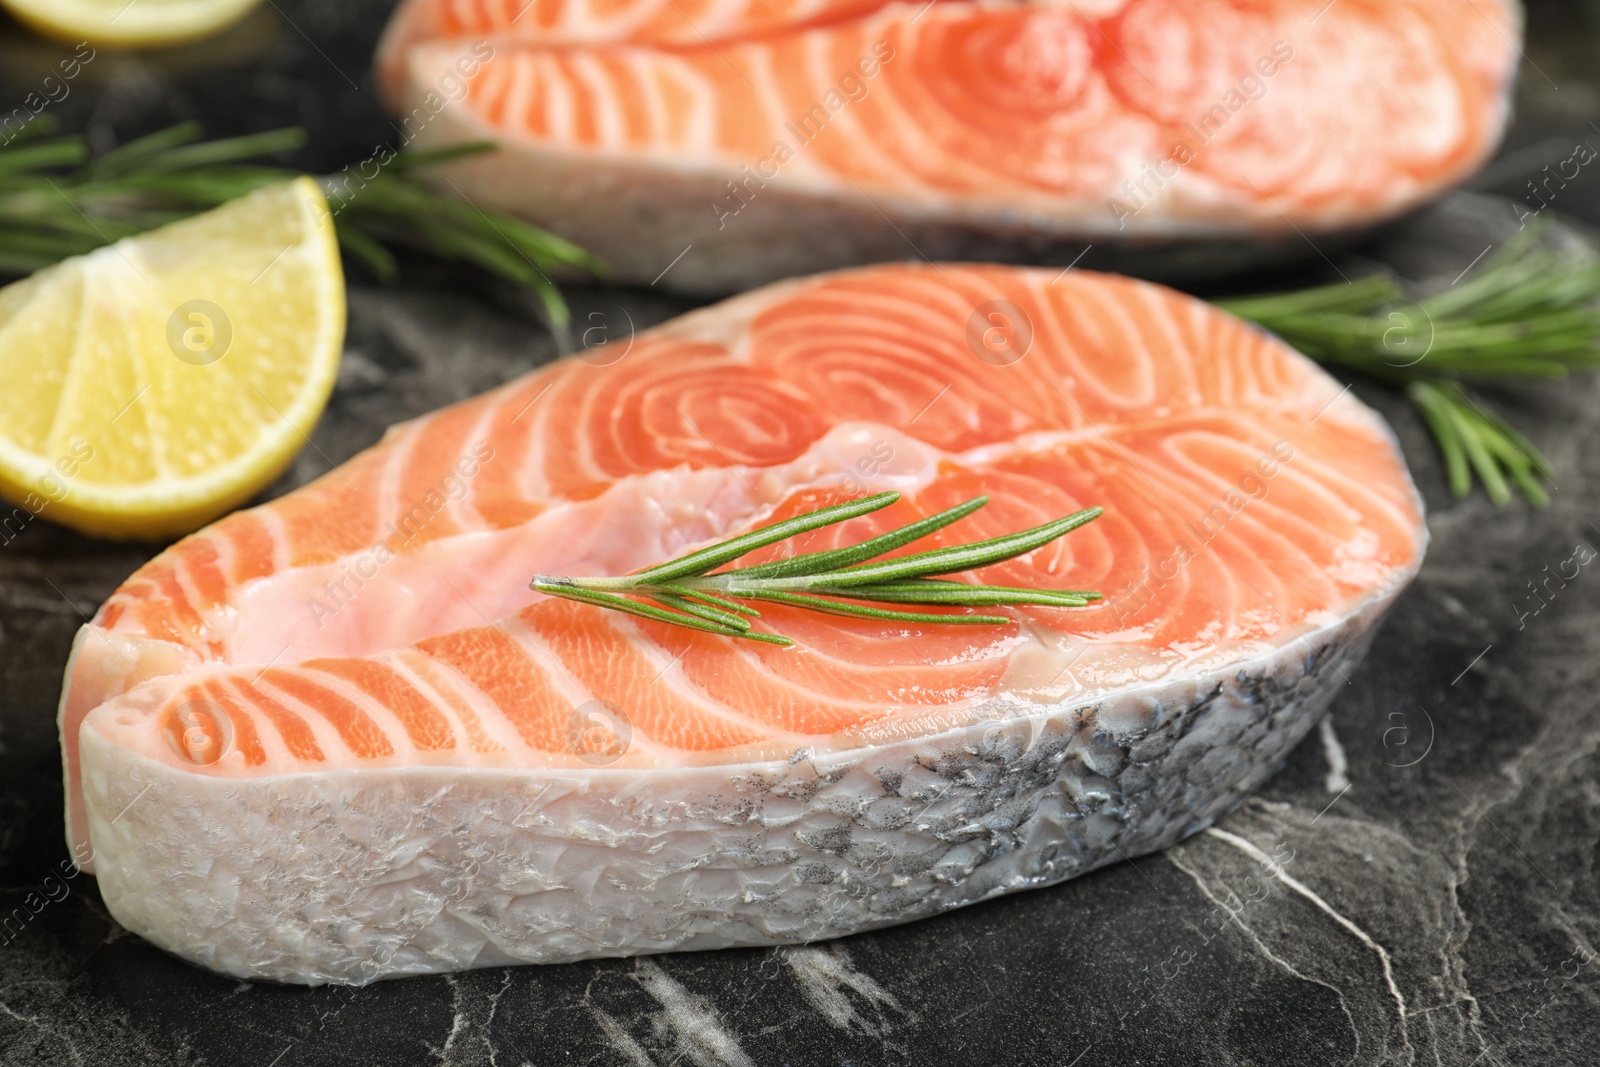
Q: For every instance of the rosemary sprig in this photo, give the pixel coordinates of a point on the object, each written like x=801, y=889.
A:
x=1530, y=310
x=690, y=591
x=57, y=200
x=1472, y=439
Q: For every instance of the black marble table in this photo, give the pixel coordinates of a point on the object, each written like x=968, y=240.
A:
x=1439, y=903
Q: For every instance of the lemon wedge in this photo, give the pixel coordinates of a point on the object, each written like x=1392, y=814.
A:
x=154, y=384
x=129, y=23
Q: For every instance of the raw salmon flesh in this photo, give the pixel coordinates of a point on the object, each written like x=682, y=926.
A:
x=335, y=738
x=742, y=141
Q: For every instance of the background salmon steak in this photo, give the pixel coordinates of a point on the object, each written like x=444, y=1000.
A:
x=336, y=738
x=758, y=141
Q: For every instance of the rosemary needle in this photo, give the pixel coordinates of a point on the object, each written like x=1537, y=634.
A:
x=57, y=201
x=1529, y=310
x=690, y=591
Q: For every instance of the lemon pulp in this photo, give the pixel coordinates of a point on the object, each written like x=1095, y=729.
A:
x=153, y=384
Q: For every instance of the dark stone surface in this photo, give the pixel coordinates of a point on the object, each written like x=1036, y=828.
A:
x=1444, y=909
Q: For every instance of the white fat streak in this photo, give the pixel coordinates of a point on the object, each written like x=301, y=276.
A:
x=1273, y=521
x=1131, y=346
x=279, y=536
x=917, y=143
x=534, y=420
x=1157, y=307
x=1067, y=352
x=380, y=713
x=1301, y=386
x=719, y=16
x=827, y=978
x=465, y=511
x=1338, y=779
x=558, y=98
x=864, y=148
x=815, y=55
x=543, y=658
x=271, y=740
x=646, y=75
x=581, y=21
x=227, y=557
x=1328, y=478
x=445, y=687
x=393, y=472
x=601, y=84
x=182, y=574
x=1095, y=327
x=670, y=673
x=584, y=460
x=518, y=94
x=494, y=85
x=697, y=1028
x=492, y=718
x=700, y=132
x=322, y=729
x=1277, y=871
x=1202, y=488
x=769, y=95
x=1222, y=369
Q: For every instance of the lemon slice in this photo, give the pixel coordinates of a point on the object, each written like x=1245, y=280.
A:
x=129, y=22
x=153, y=384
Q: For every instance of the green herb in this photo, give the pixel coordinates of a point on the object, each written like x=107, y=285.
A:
x=57, y=200
x=1472, y=439
x=1530, y=310
x=689, y=591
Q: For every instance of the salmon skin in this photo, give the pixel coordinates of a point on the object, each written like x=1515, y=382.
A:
x=336, y=738
x=761, y=140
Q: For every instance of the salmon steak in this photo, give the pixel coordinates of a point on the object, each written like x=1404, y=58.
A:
x=337, y=738
x=715, y=146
